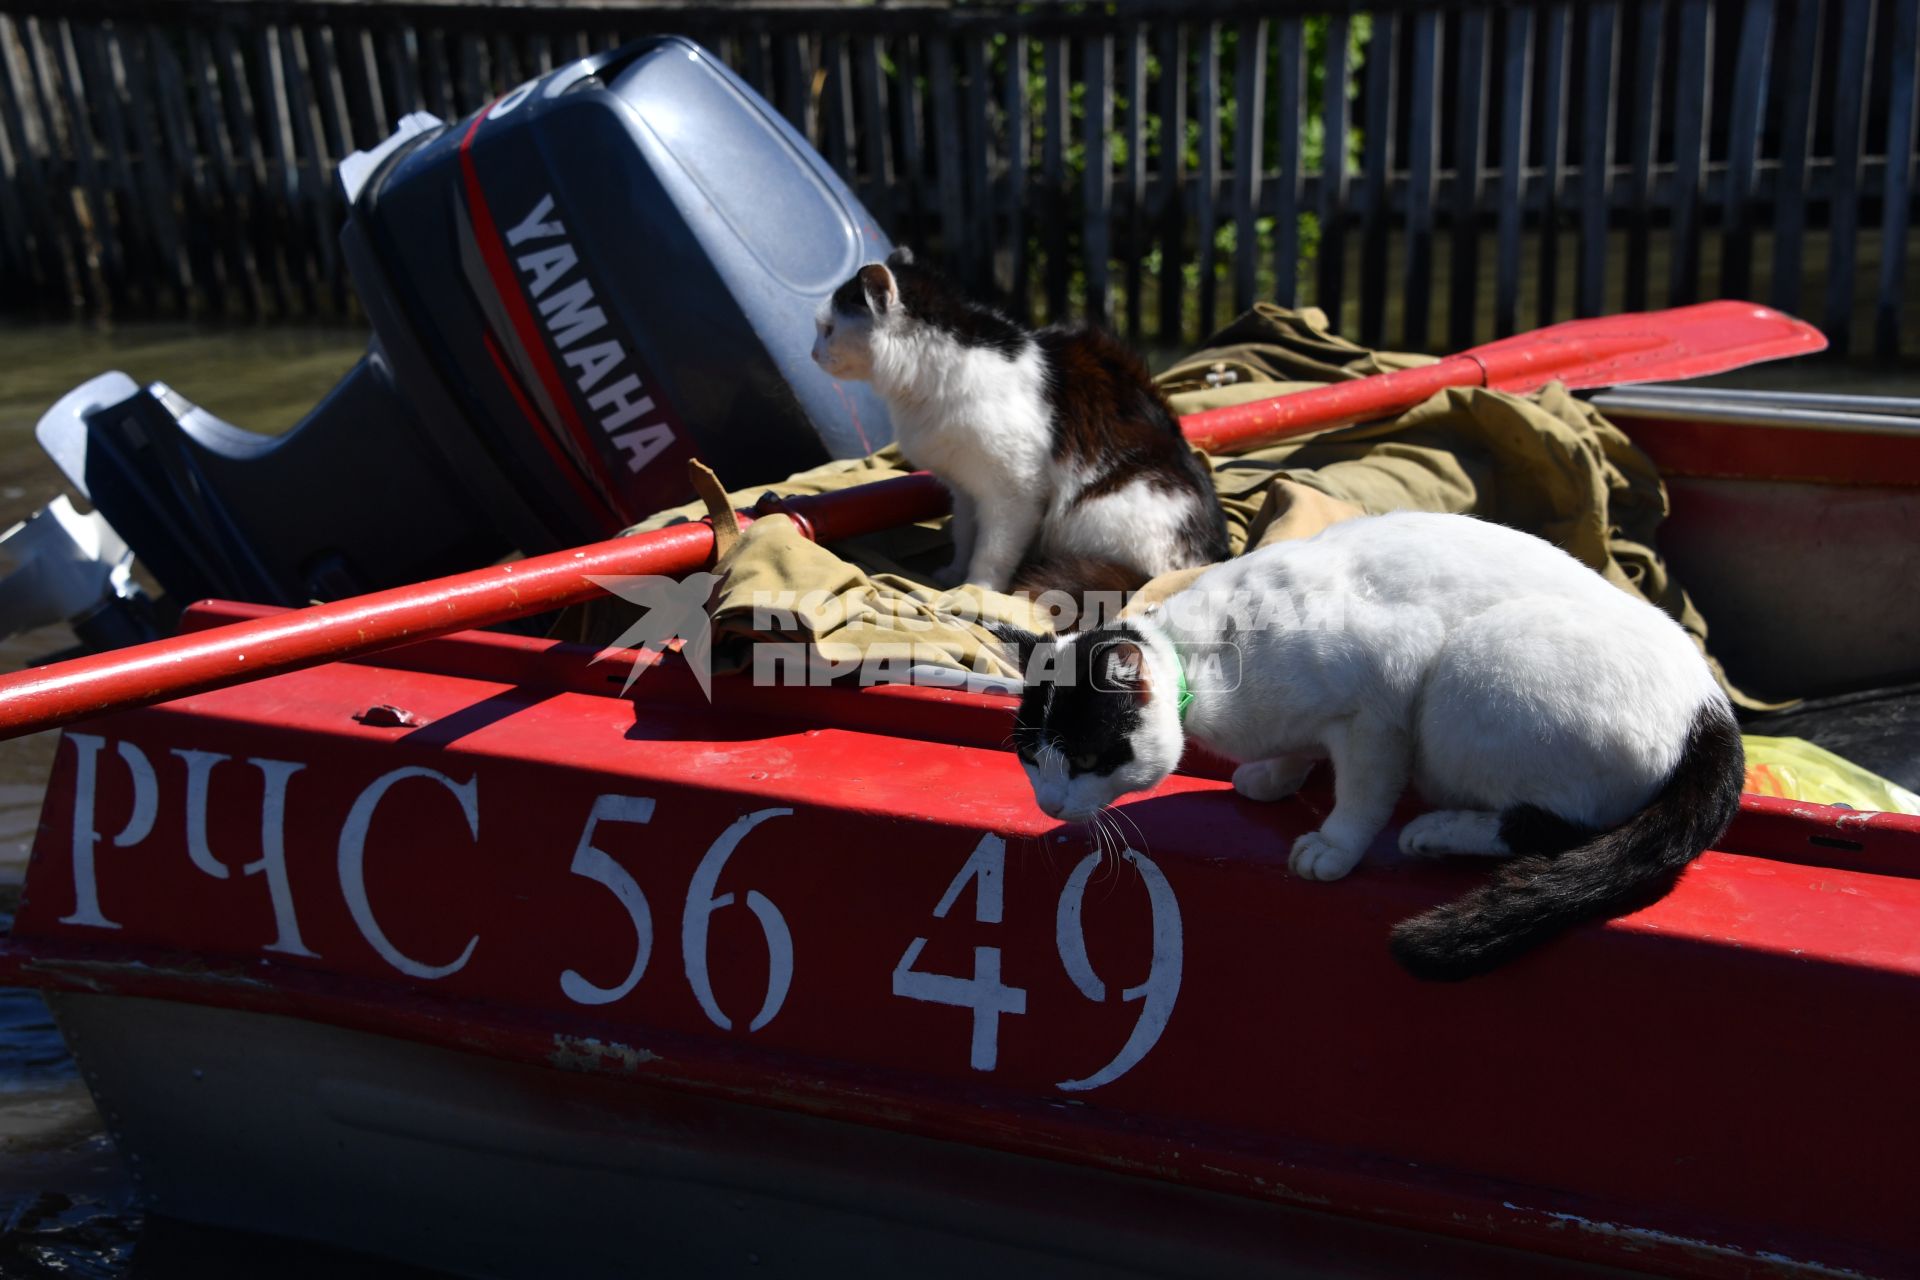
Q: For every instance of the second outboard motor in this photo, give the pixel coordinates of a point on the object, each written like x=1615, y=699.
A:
x=604, y=273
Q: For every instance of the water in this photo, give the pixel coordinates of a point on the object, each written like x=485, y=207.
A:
x=66, y=1204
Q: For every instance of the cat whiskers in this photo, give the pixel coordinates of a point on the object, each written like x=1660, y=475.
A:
x=1138, y=833
x=1108, y=840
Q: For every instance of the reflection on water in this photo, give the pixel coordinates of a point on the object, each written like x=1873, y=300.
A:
x=66, y=1204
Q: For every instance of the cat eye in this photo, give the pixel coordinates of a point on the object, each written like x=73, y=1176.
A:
x=1084, y=763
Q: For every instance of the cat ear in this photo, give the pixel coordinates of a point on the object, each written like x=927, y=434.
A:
x=1124, y=670
x=883, y=292
x=900, y=257
x=1017, y=645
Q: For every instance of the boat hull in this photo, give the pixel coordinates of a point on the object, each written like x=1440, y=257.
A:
x=467, y=1163
x=490, y=960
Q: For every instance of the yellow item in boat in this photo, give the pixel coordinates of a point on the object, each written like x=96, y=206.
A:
x=1796, y=769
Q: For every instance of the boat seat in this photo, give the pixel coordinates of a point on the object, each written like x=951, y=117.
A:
x=1877, y=729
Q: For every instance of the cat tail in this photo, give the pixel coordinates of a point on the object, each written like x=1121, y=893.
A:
x=1537, y=896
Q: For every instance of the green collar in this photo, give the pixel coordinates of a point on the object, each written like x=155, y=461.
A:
x=1186, y=694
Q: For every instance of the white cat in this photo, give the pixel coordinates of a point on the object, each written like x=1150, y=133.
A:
x=1544, y=711
x=1060, y=453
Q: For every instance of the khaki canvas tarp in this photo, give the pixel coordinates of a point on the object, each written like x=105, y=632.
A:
x=1546, y=463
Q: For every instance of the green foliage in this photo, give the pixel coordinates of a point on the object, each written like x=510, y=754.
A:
x=1315, y=30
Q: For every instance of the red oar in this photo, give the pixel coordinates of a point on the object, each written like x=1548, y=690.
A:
x=1684, y=343
x=1646, y=346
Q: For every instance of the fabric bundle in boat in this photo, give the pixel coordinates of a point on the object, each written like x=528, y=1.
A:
x=1547, y=463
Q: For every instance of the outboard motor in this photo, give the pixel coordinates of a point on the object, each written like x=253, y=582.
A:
x=604, y=273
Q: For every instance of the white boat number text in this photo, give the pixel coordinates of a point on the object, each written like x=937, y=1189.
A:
x=983, y=993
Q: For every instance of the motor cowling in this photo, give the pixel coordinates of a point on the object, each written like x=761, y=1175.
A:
x=638, y=243
x=601, y=274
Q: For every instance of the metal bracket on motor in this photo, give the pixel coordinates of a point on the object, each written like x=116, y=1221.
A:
x=70, y=567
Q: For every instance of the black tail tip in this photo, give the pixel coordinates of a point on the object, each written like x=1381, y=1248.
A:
x=1431, y=951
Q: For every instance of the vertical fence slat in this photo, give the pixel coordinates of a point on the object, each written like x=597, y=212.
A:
x=330, y=93
x=307, y=163
x=1517, y=95
x=436, y=75
x=366, y=101
x=540, y=54
x=1019, y=287
x=756, y=66
x=912, y=120
x=225, y=178
x=506, y=63
x=1330, y=279
x=399, y=50
x=1693, y=96
x=405, y=93
x=1747, y=116
x=1553, y=154
x=1290, y=86
x=189, y=249
x=48, y=269
x=978, y=140
x=129, y=225
x=1423, y=171
x=475, y=79
x=1468, y=139
x=1206, y=196
x=1644, y=109
x=53, y=54
x=1133, y=82
x=836, y=107
x=1249, y=151
x=1596, y=157
x=16, y=254
x=1053, y=174
x=1849, y=141
x=262, y=233
x=1382, y=76
x=1173, y=173
x=1897, y=202
x=27, y=110
x=1096, y=244
x=876, y=136
x=954, y=241
x=794, y=86
x=20, y=270
x=138, y=61
x=283, y=164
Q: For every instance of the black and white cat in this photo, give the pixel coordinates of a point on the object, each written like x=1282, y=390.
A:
x=1055, y=445
x=1553, y=718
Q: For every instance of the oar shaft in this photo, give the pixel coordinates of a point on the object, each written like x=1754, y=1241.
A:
x=1235, y=428
x=48, y=697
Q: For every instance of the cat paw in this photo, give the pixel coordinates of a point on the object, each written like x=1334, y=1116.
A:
x=949, y=577
x=1269, y=780
x=1453, y=831
x=1315, y=857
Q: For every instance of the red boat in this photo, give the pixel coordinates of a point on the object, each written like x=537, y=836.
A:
x=456, y=954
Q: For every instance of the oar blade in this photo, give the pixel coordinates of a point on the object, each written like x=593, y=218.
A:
x=1658, y=346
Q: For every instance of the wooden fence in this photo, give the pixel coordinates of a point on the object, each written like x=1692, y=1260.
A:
x=1432, y=175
